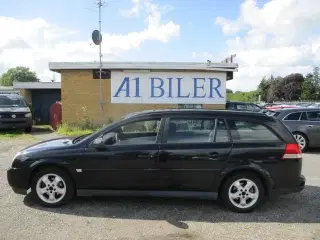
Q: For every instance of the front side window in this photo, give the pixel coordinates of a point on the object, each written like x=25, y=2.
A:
x=134, y=133
x=243, y=131
x=293, y=116
x=197, y=131
x=313, y=116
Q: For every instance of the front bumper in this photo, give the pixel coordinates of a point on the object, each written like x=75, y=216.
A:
x=18, y=123
x=18, y=180
x=298, y=186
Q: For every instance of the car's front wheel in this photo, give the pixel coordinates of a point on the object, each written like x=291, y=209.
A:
x=52, y=187
x=242, y=192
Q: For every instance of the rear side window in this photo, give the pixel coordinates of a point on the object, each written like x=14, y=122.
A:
x=244, y=131
x=304, y=116
x=188, y=130
x=293, y=116
x=314, y=116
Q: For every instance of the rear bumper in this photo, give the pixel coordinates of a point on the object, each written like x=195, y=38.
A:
x=297, y=187
x=18, y=180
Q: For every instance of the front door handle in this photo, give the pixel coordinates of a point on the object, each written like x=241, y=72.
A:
x=214, y=156
x=309, y=126
x=210, y=156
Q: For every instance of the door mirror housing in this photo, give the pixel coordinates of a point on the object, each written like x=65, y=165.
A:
x=105, y=140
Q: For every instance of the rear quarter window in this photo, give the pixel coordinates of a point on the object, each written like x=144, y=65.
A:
x=244, y=131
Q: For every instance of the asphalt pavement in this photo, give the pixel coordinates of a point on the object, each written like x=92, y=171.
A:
x=294, y=216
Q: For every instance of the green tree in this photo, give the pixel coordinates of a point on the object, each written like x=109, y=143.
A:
x=263, y=88
x=18, y=74
x=309, y=88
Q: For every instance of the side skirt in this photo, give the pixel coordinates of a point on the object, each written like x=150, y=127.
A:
x=136, y=193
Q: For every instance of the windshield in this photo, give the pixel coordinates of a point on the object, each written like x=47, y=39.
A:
x=12, y=101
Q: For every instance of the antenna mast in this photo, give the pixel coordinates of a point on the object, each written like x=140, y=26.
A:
x=100, y=57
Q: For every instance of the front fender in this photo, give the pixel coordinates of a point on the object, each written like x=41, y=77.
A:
x=50, y=161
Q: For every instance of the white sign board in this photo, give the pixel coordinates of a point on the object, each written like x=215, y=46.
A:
x=168, y=87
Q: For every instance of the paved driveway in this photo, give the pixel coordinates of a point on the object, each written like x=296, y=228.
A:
x=295, y=216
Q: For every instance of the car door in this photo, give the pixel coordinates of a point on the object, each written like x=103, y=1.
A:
x=192, y=152
x=126, y=161
x=313, y=128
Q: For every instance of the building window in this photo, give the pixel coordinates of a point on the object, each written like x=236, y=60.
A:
x=105, y=74
x=188, y=106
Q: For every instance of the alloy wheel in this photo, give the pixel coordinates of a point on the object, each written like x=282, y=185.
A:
x=51, y=188
x=300, y=140
x=243, y=193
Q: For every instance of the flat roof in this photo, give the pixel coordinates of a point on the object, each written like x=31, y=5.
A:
x=196, y=66
x=37, y=85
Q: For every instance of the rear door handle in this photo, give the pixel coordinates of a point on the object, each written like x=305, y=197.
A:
x=146, y=156
x=309, y=126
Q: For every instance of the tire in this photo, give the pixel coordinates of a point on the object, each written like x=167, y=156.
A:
x=301, y=138
x=28, y=130
x=257, y=192
x=44, y=180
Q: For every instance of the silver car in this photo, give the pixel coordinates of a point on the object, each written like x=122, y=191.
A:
x=304, y=123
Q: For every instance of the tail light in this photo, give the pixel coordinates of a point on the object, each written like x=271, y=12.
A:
x=292, y=151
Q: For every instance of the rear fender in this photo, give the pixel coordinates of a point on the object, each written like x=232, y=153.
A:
x=263, y=174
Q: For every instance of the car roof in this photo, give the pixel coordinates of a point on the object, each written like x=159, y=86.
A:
x=225, y=113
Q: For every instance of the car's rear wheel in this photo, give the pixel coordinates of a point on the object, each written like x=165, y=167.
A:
x=301, y=140
x=52, y=187
x=243, y=192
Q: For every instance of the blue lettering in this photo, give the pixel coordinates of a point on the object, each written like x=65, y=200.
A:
x=137, y=87
x=179, y=89
x=123, y=87
x=215, y=88
x=170, y=88
x=159, y=87
x=195, y=81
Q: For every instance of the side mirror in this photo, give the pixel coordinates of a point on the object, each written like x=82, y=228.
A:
x=98, y=143
x=104, y=141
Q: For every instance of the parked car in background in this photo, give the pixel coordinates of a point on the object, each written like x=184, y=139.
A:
x=280, y=106
x=314, y=105
x=239, y=157
x=304, y=123
x=304, y=104
x=14, y=112
x=242, y=106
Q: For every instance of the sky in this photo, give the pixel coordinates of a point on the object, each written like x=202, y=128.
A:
x=276, y=37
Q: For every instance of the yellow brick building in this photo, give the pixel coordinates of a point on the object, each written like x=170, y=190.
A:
x=84, y=94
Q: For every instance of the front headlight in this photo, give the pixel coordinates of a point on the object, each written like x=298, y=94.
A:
x=28, y=115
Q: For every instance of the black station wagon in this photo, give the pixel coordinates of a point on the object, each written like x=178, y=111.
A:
x=242, y=158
